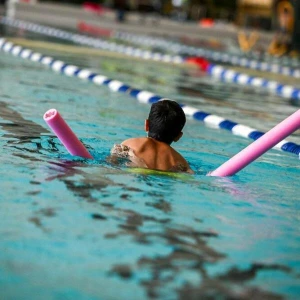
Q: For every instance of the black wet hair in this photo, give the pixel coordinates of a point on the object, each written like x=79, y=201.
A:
x=166, y=121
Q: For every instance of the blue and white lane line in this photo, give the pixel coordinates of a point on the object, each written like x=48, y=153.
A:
x=218, y=72
x=270, y=64
x=216, y=56
x=228, y=75
x=150, y=41
x=95, y=43
x=141, y=95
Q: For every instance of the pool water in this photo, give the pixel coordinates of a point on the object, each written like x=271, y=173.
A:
x=77, y=229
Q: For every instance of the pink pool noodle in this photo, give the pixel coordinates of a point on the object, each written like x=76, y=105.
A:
x=260, y=146
x=65, y=134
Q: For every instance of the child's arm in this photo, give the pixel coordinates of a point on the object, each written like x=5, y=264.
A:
x=117, y=152
x=121, y=152
x=182, y=166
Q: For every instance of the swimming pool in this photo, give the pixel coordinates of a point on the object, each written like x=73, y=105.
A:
x=72, y=228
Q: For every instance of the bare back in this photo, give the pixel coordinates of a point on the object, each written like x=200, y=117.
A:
x=157, y=155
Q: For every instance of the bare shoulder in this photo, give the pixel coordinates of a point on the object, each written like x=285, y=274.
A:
x=178, y=157
x=181, y=164
x=134, y=143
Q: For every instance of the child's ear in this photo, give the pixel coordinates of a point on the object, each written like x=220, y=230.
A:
x=146, y=125
x=178, y=137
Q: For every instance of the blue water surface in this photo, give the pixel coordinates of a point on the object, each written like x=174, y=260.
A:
x=85, y=229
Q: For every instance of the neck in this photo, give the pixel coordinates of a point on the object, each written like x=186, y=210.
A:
x=158, y=141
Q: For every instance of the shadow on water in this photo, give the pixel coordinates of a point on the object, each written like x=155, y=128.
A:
x=190, y=252
x=18, y=127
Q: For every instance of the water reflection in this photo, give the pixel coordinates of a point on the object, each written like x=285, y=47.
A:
x=143, y=212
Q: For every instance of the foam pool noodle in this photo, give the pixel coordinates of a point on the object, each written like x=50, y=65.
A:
x=65, y=134
x=259, y=147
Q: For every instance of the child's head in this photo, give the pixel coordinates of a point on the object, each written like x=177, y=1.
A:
x=166, y=121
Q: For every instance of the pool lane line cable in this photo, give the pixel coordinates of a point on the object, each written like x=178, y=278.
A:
x=75, y=49
x=175, y=47
x=216, y=71
x=93, y=42
x=275, y=87
x=141, y=95
x=67, y=48
x=150, y=41
x=292, y=64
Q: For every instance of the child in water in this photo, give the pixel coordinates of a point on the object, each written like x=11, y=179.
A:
x=164, y=126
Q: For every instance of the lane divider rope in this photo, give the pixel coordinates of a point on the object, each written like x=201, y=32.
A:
x=150, y=41
x=180, y=49
x=93, y=42
x=216, y=71
x=275, y=87
x=141, y=95
x=276, y=65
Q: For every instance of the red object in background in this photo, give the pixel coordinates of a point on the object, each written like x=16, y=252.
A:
x=207, y=23
x=93, y=7
x=95, y=30
x=202, y=63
